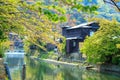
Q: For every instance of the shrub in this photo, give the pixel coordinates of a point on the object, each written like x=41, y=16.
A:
x=102, y=47
x=116, y=60
x=3, y=47
x=1, y=50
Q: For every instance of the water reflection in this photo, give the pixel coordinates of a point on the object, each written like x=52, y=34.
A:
x=15, y=62
x=37, y=70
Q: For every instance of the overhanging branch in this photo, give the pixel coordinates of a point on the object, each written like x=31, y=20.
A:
x=113, y=3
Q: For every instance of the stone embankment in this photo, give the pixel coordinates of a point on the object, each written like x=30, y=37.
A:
x=2, y=70
x=99, y=68
x=108, y=68
x=63, y=63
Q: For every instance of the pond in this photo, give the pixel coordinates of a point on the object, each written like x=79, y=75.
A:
x=37, y=70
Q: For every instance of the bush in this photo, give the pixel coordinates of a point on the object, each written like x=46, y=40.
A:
x=1, y=50
x=116, y=60
x=102, y=47
x=50, y=55
x=1, y=53
x=3, y=47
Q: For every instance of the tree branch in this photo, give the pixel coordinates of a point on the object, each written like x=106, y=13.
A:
x=115, y=4
x=112, y=4
x=108, y=2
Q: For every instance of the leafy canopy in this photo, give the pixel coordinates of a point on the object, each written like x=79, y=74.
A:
x=36, y=21
x=102, y=46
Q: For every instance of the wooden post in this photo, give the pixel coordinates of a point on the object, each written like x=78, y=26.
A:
x=7, y=70
x=24, y=72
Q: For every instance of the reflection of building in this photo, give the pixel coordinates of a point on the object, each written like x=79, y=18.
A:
x=77, y=34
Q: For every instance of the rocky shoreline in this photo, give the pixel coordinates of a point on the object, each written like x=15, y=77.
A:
x=2, y=70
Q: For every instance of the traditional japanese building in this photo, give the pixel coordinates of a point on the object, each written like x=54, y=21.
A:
x=77, y=34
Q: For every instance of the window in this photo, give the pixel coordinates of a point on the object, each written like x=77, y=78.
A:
x=74, y=43
x=91, y=33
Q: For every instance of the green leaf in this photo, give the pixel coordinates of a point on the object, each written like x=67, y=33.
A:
x=63, y=19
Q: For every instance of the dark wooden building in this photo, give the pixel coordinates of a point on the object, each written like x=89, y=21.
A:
x=77, y=34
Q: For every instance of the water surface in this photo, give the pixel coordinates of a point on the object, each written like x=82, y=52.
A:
x=37, y=70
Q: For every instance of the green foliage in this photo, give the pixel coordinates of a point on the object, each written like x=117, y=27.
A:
x=3, y=47
x=9, y=15
x=102, y=46
x=116, y=60
x=61, y=46
x=35, y=21
x=1, y=52
x=77, y=4
x=50, y=55
x=26, y=46
x=63, y=19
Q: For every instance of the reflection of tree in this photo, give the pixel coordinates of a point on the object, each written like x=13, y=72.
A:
x=31, y=62
x=92, y=75
x=89, y=75
x=37, y=70
x=71, y=74
x=44, y=71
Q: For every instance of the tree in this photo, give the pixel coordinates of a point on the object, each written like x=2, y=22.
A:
x=35, y=21
x=102, y=46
